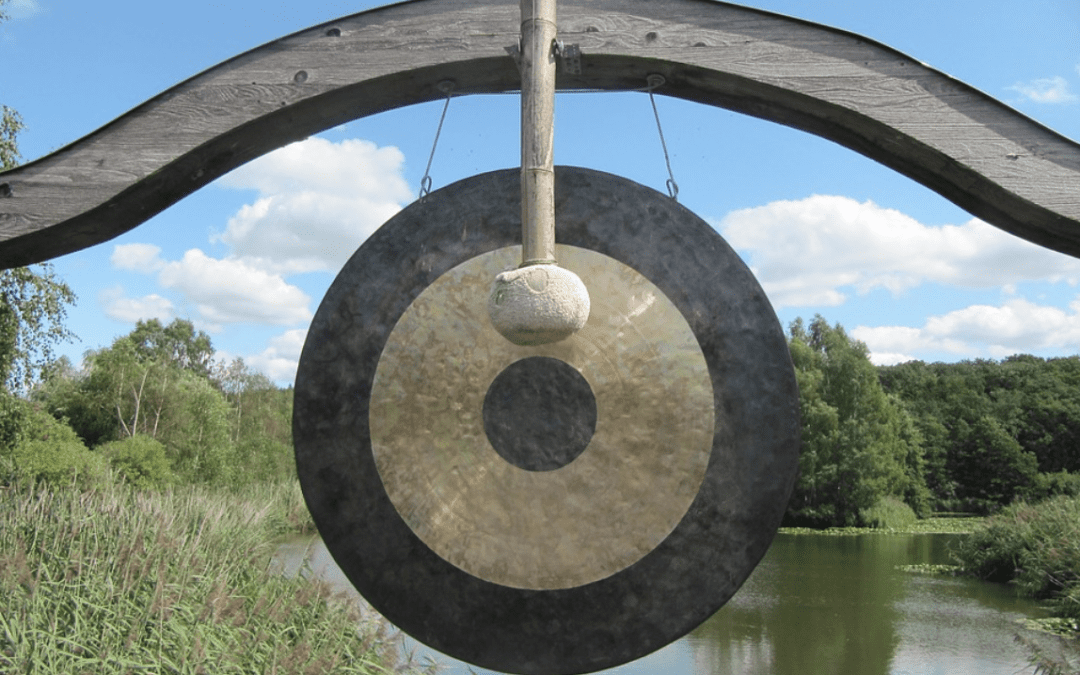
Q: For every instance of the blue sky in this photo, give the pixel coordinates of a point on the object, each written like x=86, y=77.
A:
x=826, y=230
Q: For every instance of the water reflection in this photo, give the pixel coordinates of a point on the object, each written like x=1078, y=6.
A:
x=825, y=604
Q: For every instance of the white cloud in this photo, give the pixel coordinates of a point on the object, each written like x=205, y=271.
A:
x=1017, y=326
x=317, y=203
x=280, y=359
x=1046, y=90
x=889, y=359
x=130, y=310
x=145, y=258
x=810, y=252
x=234, y=291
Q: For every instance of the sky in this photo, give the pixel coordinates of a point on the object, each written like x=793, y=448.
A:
x=825, y=230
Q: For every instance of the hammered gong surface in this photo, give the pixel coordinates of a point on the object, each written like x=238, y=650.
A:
x=524, y=526
x=640, y=607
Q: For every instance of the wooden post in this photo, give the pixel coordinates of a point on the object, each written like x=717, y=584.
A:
x=538, y=31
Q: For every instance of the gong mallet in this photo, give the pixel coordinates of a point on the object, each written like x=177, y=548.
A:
x=538, y=302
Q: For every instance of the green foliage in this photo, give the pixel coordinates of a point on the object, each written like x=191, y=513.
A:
x=177, y=344
x=859, y=445
x=989, y=428
x=261, y=422
x=40, y=448
x=1036, y=547
x=196, y=431
x=223, y=424
x=992, y=464
x=117, y=581
x=141, y=460
x=33, y=307
x=1060, y=483
x=10, y=125
x=890, y=513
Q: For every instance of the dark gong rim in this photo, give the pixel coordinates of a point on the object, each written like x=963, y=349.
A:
x=654, y=601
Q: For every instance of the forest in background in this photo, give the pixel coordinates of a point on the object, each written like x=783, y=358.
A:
x=968, y=437
x=155, y=408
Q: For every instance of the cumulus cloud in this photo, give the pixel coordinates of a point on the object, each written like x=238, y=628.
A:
x=815, y=251
x=1046, y=90
x=233, y=291
x=144, y=258
x=318, y=200
x=222, y=291
x=281, y=358
x=130, y=310
x=1015, y=326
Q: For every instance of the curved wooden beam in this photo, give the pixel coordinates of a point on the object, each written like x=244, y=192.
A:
x=969, y=147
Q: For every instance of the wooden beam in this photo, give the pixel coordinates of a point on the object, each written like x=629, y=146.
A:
x=967, y=146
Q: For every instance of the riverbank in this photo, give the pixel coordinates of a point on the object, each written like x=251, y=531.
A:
x=934, y=525
x=1037, y=549
x=120, y=581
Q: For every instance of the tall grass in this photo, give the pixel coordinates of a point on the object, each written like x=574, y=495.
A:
x=1036, y=547
x=120, y=581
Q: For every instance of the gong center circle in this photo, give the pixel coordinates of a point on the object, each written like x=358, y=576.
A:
x=539, y=413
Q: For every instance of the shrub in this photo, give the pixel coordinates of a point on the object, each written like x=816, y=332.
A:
x=141, y=460
x=1049, y=485
x=889, y=513
x=48, y=450
x=1037, y=547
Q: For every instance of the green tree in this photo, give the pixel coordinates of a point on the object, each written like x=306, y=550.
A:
x=178, y=344
x=33, y=308
x=261, y=421
x=859, y=445
x=10, y=125
x=989, y=426
x=36, y=446
x=140, y=387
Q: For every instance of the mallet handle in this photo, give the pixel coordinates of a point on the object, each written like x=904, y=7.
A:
x=538, y=33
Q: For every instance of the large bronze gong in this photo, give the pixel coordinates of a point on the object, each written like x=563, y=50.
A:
x=553, y=509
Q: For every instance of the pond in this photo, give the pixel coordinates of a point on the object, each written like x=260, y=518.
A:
x=823, y=604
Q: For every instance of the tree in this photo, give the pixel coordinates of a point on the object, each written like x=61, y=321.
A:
x=36, y=446
x=990, y=426
x=261, y=421
x=33, y=308
x=10, y=125
x=178, y=344
x=859, y=445
x=150, y=383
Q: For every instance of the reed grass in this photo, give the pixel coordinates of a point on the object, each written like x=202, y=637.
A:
x=121, y=581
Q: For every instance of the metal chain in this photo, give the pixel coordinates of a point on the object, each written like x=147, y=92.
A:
x=447, y=87
x=656, y=81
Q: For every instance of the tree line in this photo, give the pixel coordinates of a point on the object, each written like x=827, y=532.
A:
x=156, y=408
x=967, y=437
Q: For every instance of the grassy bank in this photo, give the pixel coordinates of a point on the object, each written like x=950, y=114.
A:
x=1037, y=548
x=119, y=581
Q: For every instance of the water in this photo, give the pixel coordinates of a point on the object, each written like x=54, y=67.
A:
x=823, y=604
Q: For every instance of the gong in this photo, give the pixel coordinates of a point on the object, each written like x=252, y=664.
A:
x=560, y=508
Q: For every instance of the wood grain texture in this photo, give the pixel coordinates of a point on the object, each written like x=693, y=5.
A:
x=538, y=34
x=965, y=145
